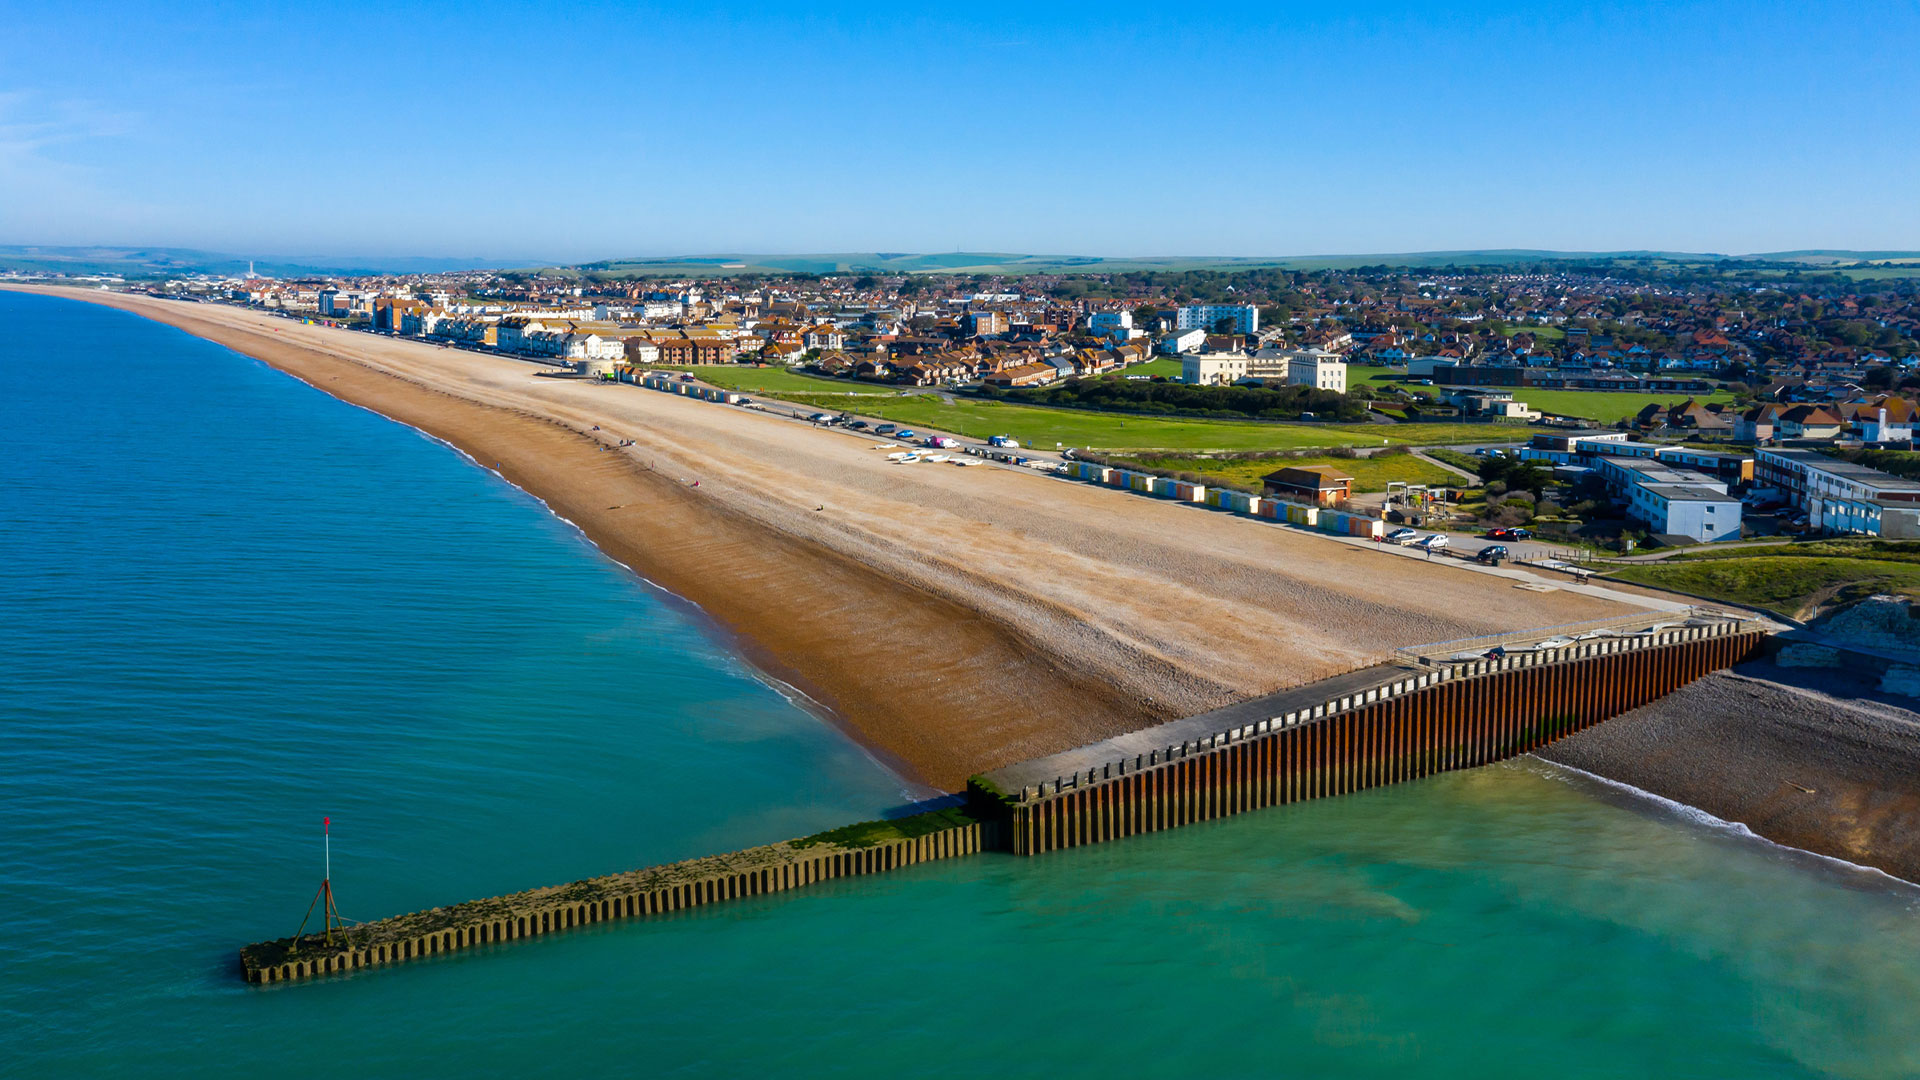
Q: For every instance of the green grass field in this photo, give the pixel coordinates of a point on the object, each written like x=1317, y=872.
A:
x=1369, y=474
x=1795, y=580
x=773, y=380
x=1042, y=427
x=1165, y=366
x=1603, y=406
x=1606, y=406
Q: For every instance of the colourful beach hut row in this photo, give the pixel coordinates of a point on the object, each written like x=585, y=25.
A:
x=1334, y=521
x=1238, y=502
x=1144, y=483
x=670, y=385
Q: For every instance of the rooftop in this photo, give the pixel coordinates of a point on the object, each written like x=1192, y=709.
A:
x=1847, y=470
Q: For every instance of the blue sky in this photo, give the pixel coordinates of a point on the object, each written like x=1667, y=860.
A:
x=582, y=131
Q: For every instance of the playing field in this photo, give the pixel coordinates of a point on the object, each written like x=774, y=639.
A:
x=1046, y=428
x=772, y=380
x=1602, y=406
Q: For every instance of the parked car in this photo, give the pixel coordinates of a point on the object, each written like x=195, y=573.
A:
x=686, y=378
x=1491, y=554
x=745, y=401
x=1434, y=542
x=859, y=425
x=884, y=429
x=1403, y=537
x=903, y=433
x=821, y=418
x=1003, y=440
x=941, y=442
x=1509, y=534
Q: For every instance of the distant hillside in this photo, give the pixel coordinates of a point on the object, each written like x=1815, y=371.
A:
x=132, y=262
x=139, y=262
x=999, y=263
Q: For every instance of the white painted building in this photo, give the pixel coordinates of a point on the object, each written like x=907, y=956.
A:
x=1213, y=369
x=1812, y=480
x=1181, y=342
x=1317, y=368
x=1246, y=317
x=1670, y=501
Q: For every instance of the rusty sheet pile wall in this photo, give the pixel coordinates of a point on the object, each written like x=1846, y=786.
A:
x=1454, y=717
x=653, y=891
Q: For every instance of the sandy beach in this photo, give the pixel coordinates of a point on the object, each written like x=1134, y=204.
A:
x=954, y=620
x=1804, y=758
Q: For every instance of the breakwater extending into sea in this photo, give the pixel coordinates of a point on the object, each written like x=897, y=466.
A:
x=1371, y=728
x=872, y=848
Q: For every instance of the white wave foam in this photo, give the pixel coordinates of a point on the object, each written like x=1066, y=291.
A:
x=1693, y=815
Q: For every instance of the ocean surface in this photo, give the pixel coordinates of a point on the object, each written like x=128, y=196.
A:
x=230, y=605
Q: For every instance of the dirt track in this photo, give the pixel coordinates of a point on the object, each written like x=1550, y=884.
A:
x=955, y=619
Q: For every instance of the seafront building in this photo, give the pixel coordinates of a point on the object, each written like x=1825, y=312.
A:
x=1245, y=318
x=1840, y=495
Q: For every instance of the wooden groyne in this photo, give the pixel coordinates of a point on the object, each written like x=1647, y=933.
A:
x=1384, y=725
x=1401, y=724
x=850, y=852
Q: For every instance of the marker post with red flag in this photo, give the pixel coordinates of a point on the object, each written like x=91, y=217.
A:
x=329, y=915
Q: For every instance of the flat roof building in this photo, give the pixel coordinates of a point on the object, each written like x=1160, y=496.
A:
x=1808, y=475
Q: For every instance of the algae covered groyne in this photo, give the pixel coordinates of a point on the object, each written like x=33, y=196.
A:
x=867, y=848
x=1421, y=715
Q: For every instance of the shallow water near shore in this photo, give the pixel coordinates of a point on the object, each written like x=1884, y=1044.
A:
x=230, y=604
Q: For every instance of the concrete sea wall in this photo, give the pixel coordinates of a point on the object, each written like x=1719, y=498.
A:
x=656, y=890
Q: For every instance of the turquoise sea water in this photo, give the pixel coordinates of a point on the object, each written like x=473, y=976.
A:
x=230, y=604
